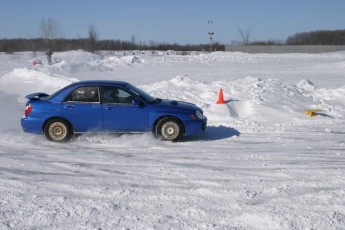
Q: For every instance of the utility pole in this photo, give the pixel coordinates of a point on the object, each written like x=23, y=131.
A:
x=210, y=34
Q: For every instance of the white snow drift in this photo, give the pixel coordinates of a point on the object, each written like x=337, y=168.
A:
x=262, y=164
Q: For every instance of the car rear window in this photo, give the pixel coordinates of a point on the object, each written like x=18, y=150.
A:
x=85, y=94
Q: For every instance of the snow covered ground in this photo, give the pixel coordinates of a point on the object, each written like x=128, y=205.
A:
x=262, y=164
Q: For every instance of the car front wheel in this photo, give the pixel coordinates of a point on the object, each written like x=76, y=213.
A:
x=169, y=129
x=58, y=130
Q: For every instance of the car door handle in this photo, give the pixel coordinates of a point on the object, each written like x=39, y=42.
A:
x=69, y=106
x=110, y=108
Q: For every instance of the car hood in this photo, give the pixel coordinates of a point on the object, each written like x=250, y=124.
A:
x=178, y=104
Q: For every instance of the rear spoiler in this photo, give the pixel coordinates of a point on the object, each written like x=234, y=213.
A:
x=37, y=96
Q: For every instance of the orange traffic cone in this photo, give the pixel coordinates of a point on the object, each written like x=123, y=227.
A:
x=220, y=97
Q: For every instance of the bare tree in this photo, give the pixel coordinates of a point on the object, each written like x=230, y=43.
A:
x=133, y=39
x=93, y=36
x=49, y=28
x=245, y=35
x=152, y=43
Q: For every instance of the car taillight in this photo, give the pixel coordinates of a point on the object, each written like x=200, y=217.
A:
x=28, y=110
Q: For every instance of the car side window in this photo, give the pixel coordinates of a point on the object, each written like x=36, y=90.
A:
x=116, y=95
x=85, y=94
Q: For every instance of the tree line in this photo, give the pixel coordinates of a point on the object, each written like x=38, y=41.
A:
x=50, y=31
x=50, y=39
x=40, y=44
x=323, y=37
x=320, y=37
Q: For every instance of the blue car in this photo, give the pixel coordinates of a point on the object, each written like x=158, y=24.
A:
x=110, y=107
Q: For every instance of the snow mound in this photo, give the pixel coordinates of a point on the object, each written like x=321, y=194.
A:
x=131, y=59
x=250, y=99
x=306, y=85
x=332, y=99
x=181, y=88
x=23, y=81
x=275, y=167
x=79, y=61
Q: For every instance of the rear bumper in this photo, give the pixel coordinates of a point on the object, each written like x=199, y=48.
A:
x=30, y=125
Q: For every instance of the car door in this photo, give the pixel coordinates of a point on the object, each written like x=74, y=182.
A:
x=83, y=109
x=119, y=114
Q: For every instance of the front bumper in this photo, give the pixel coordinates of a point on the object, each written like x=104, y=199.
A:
x=194, y=127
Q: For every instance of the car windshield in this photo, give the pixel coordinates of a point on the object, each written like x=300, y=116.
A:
x=142, y=94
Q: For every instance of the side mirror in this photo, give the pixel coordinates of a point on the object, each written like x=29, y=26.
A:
x=135, y=102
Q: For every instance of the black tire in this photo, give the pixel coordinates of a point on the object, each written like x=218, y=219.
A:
x=58, y=130
x=169, y=129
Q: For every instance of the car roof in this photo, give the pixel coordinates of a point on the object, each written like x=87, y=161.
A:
x=100, y=82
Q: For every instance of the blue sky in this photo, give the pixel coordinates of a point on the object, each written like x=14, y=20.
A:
x=180, y=21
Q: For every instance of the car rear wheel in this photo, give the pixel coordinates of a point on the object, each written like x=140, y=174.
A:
x=58, y=130
x=169, y=129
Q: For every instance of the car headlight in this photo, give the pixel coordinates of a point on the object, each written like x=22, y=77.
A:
x=199, y=115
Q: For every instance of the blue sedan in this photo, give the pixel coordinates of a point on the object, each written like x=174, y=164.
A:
x=111, y=107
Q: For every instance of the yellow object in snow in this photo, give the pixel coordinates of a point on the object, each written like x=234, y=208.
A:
x=312, y=112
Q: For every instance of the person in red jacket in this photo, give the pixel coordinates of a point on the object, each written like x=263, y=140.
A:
x=49, y=54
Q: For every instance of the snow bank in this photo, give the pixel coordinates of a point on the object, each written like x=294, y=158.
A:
x=263, y=101
x=262, y=163
x=23, y=81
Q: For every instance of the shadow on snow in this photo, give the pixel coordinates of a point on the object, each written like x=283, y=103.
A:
x=213, y=133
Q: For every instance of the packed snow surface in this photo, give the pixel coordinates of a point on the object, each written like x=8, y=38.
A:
x=262, y=163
